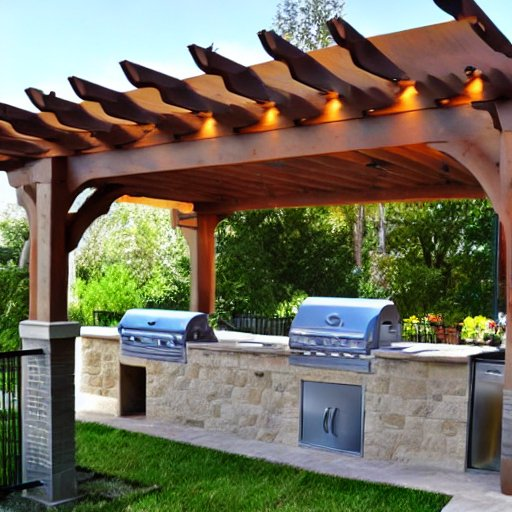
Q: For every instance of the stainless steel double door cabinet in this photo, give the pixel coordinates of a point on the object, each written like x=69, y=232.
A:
x=332, y=416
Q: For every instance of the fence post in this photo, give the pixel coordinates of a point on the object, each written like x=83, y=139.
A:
x=48, y=414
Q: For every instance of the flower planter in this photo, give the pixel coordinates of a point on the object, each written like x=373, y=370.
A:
x=450, y=335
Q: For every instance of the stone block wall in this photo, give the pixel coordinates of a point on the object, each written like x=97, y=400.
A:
x=98, y=382
x=415, y=412
x=250, y=395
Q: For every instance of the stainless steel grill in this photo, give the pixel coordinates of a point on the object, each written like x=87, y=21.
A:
x=333, y=331
x=162, y=334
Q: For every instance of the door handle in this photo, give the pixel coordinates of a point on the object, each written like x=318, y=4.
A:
x=332, y=415
x=325, y=420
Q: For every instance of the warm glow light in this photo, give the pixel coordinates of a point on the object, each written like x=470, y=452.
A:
x=408, y=94
x=209, y=128
x=332, y=108
x=158, y=203
x=475, y=87
x=270, y=116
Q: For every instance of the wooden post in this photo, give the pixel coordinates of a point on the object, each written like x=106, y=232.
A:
x=206, y=225
x=52, y=257
x=505, y=211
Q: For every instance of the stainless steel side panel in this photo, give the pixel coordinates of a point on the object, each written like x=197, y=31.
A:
x=485, y=434
x=332, y=416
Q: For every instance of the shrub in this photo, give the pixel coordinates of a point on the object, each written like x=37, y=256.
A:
x=130, y=258
x=116, y=290
x=14, y=296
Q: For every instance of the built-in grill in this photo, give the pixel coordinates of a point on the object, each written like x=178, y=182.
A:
x=341, y=332
x=162, y=334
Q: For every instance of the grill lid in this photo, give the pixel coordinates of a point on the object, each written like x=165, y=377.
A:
x=335, y=325
x=352, y=318
x=193, y=324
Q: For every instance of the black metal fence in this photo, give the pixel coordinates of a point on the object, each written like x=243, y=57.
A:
x=106, y=318
x=10, y=421
x=423, y=332
x=255, y=324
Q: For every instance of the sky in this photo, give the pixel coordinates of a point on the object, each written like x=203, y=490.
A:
x=44, y=42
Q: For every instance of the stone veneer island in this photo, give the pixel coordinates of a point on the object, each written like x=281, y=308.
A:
x=415, y=401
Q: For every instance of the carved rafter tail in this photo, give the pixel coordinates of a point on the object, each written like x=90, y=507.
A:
x=363, y=52
x=181, y=94
x=29, y=123
x=483, y=25
x=76, y=116
x=245, y=82
x=122, y=106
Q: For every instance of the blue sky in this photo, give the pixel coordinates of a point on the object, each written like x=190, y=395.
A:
x=44, y=42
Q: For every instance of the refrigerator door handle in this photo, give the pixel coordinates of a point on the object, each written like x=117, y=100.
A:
x=325, y=420
x=332, y=415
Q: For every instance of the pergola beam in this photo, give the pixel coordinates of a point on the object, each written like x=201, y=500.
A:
x=428, y=126
x=348, y=197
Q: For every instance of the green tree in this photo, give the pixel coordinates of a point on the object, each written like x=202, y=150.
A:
x=131, y=257
x=14, y=283
x=439, y=259
x=269, y=258
x=13, y=235
x=302, y=22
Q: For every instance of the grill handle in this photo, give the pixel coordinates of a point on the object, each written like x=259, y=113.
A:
x=325, y=420
x=328, y=420
x=332, y=415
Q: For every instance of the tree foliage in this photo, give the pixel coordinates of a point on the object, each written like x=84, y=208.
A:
x=268, y=259
x=14, y=283
x=131, y=258
x=439, y=259
x=303, y=22
x=13, y=235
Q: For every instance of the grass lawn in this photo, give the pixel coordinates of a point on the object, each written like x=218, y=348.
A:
x=191, y=479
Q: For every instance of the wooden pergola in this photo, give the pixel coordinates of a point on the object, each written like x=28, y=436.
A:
x=423, y=114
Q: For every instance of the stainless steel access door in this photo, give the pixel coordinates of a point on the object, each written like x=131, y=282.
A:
x=332, y=416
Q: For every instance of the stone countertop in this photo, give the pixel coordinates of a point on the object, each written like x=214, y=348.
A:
x=230, y=341
x=227, y=337
x=278, y=345
x=432, y=352
x=108, y=333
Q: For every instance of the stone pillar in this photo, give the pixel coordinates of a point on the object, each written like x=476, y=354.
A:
x=48, y=410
